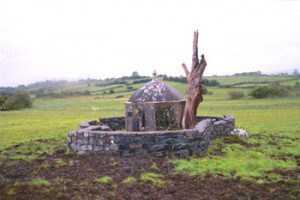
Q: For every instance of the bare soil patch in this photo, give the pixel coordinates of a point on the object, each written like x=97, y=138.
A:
x=72, y=177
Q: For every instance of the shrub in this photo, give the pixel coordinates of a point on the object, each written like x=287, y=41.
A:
x=129, y=88
x=204, y=90
x=209, y=93
x=155, y=179
x=260, y=92
x=2, y=101
x=105, y=179
x=276, y=89
x=39, y=182
x=236, y=94
x=273, y=90
x=86, y=92
x=212, y=83
x=18, y=100
x=129, y=179
x=111, y=91
x=145, y=80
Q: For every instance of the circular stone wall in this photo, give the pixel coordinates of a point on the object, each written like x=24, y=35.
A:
x=92, y=137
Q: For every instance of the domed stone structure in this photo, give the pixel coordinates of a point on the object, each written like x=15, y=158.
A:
x=155, y=106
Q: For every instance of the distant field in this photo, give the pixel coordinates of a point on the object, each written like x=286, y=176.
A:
x=228, y=80
x=55, y=117
x=240, y=81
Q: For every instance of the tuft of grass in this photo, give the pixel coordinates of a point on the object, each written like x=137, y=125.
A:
x=44, y=165
x=129, y=179
x=105, y=179
x=60, y=162
x=155, y=179
x=17, y=184
x=154, y=166
x=10, y=192
x=39, y=182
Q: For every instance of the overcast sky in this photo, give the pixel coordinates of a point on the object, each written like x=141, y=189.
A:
x=69, y=39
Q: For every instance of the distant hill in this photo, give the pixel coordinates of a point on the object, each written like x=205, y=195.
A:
x=63, y=88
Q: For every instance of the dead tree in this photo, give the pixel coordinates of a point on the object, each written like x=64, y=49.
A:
x=194, y=86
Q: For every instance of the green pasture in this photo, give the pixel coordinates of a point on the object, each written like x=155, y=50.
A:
x=273, y=125
x=228, y=80
x=55, y=117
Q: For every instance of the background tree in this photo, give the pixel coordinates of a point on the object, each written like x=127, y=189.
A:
x=2, y=101
x=194, y=86
x=18, y=100
x=135, y=74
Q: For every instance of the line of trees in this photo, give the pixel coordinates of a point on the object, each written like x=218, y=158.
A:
x=42, y=94
x=266, y=91
x=19, y=99
x=182, y=79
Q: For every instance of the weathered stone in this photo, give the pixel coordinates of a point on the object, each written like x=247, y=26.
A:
x=135, y=146
x=88, y=123
x=82, y=142
x=204, y=125
x=83, y=148
x=159, y=154
x=72, y=133
x=230, y=118
x=91, y=141
x=240, y=132
x=97, y=148
x=182, y=153
x=159, y=147
x=81, y=152
x=115, y=123
x=170, y=140
x=156, y=143
x=179, y=146
x=89, y=148
x=220, y=123
x=80, y=135
x=114, y=147
x=99, y=128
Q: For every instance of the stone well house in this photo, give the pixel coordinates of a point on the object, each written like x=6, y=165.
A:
x=155, y=106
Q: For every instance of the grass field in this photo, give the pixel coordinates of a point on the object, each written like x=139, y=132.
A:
x=55, y=117
x=273, y=125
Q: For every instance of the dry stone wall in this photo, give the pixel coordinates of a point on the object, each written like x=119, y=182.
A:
x=99, y=138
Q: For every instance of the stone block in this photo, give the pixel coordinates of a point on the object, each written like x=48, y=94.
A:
x=170, y=140
x=182, y=153
x=82, y=142
x=230, y=118
x=179, y=146
x=181, y=139
x=97, y=148
x=80, y=135
x=114, y=147
x=69, y=140
x=89, y=148
x=85, y=134
x=72, y=133
x=204, y=125
x=158, y=147
x=159, y=154
x=135, y=146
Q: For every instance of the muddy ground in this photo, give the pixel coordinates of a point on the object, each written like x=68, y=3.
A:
x=72, y=177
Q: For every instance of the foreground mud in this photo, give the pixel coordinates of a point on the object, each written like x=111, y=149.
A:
x=73, y=177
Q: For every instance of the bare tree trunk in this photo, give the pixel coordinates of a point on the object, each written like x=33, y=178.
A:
x=193, y=90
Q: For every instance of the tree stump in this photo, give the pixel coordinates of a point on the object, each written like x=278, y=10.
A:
x=194, y=86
